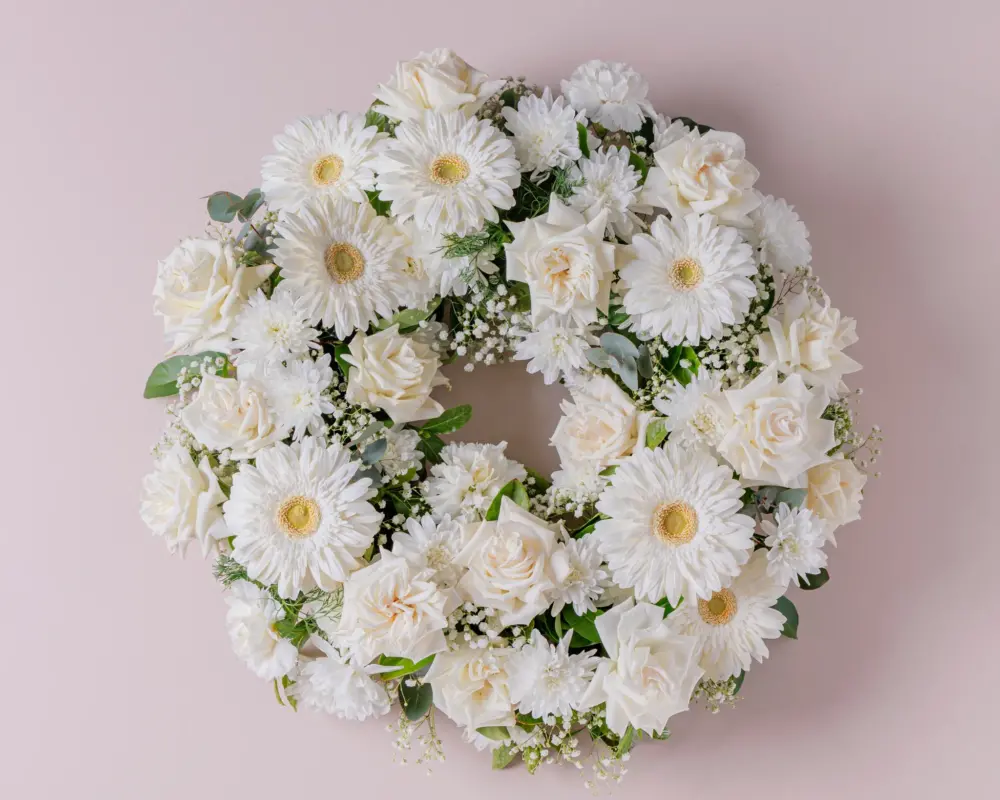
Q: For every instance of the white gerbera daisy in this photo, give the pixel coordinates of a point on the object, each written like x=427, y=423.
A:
x=333, y=684
x=545, y=133
x=346, y=261
x=690, y=278
x=251, y=621
x=733, y=623
x=546, y=680
x=697, y=415
x=606, y=181
x=328, y=156
x=448, y=173
x=465, y=482
x=673, y=528
x=782, y=237
x=299, y=517
x=433, y=546
x=610, y=94
x=296, y=393
x=269, y=330
x=556, y=347
x=580, y=576
x=796, y=538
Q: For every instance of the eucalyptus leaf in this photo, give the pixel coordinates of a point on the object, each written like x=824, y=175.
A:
x=415, y=700
x=403, y=666
x=250, y=204
x=791, y=497
x=372, y=474
x=449, y=422
x=515, y=491
x=373, y=453
x=223, y=206
x=618, y=346
x=645, y=362
x=629, y=375
x=787, y=609
x=598, y=358
x=162, y=381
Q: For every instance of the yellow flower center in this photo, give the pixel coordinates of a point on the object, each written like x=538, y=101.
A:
x=298, y=517
x=719, y=609
x=449, y=169
x=327, y=170
x=344, y=262
x=685, y=274
x=675, y=523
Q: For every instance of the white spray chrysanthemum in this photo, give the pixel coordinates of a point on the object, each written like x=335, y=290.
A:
x=782, y=237
x=579, y=573
x=695, y=414
x=433, y=545
x=545, y=133
x=610, y=94
x=269, y=330
x=545, y=680
x=556, y=347
x=795, y=540
x=606, y=181
x=297, y=394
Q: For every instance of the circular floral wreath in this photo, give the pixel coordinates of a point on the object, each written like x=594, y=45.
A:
x=708, y=451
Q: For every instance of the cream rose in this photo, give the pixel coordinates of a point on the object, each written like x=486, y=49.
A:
x=395, y=373
x=703, y=174
x=437, y=81
x=231, y=414
x=471, y=686
x=181, y=501
x=650, y=671
x=393, y=608
x=808, y=339
x=509, y=564
x=600, y=425
x=200, y=288
x=565, y=262
x=834, y=491
x=778, y=433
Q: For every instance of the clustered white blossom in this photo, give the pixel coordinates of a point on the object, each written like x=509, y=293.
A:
x=708, y=448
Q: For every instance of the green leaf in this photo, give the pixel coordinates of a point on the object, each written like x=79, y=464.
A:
x=502, y=757
x=617, y=316
x=815, y=580
x=541, y=482
x=162, y=381
x=404, y=665
x=583, y=625
x=628, y=372
x=607, y=472
x=415, y=700
x=515, y=491
x=638, y=163
x=522, y=292
x=498, y=733
x=692, y=125
x=739, y=682
x=291, y=630
x=287, y=683
x=449, y=422
x=581, y=133
x=250, y=204
x=656, y=432
x=787, y=609
x=618, y=346
x=668, y=609
x=382, y=207
x=598, y=358
x=373, y=453
x=222, y=206
x=588, y=526
x=625, y=743
x=409, y=317
x=431, y=446
x=645, y=362
x=791, y=497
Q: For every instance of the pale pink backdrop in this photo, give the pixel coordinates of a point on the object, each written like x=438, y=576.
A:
x=879, y=120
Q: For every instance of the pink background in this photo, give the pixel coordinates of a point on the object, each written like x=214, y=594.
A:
x=879, y=120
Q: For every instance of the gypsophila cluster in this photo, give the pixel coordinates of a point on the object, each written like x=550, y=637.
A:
x=709, y=449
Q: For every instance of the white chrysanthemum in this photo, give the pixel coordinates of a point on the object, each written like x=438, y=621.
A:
x=610, y=94
x=696, y=414
x=271, y=330
x=689, y=279
x=333, y=684
x=578, y=569
x=606, y=181
x=401, y=453
x=346, y=261
x=796, y=538
x=299, y=517
x=297, y=395
x=328, y=156
x=433, y=545
x=181, y=501
x=673, y=526
x=251, y=619
x=465, y=482
x=448, y=173
x=556, y=347
x=546, y=680
x=545, y=133
x=667, y=131
x=782, y=237
x=733, y=623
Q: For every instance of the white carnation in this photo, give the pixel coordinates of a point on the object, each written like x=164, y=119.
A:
x=465, y=482
x=251, y=619
x=337, y=686
x=610, y=94
x=782, y=237
x=578, y=569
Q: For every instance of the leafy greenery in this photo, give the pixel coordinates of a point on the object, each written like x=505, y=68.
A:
x=449, y=422
x=488, y=240
x=498, y=733
x=162, y=381
x=582, y=625
x=403, y=666
x=225, y=206
x=415, y=700
x=228, y=570
x=382, y=207
x=409, y=318
x=787, y=609
x=791, y=497
x=815, y=580
x=656, y=432
x=515, y=491
x=502, y=756
x=738, y=681
x=581, y=134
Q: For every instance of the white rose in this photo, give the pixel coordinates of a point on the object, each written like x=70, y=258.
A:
x=778, y=432
x=509, y=565
x=650, y=671
x=809, y=340
x=181, y=501
x=392, y=608
x=600, y=426
x=200, y=288
x=834, y=491
x=471, y=686
x=251, y=621
x=231, y=414
x=565, y=261
x=438, y=81
x=395, y=373
x=703, y=174
x=336, y=686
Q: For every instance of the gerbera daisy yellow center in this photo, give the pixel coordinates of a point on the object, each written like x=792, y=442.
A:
x=719, y=608
x=675, y=523
x=449, y=169
x=327, y=169
x=685, y=274
x=344, y=262
x=298, y=517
